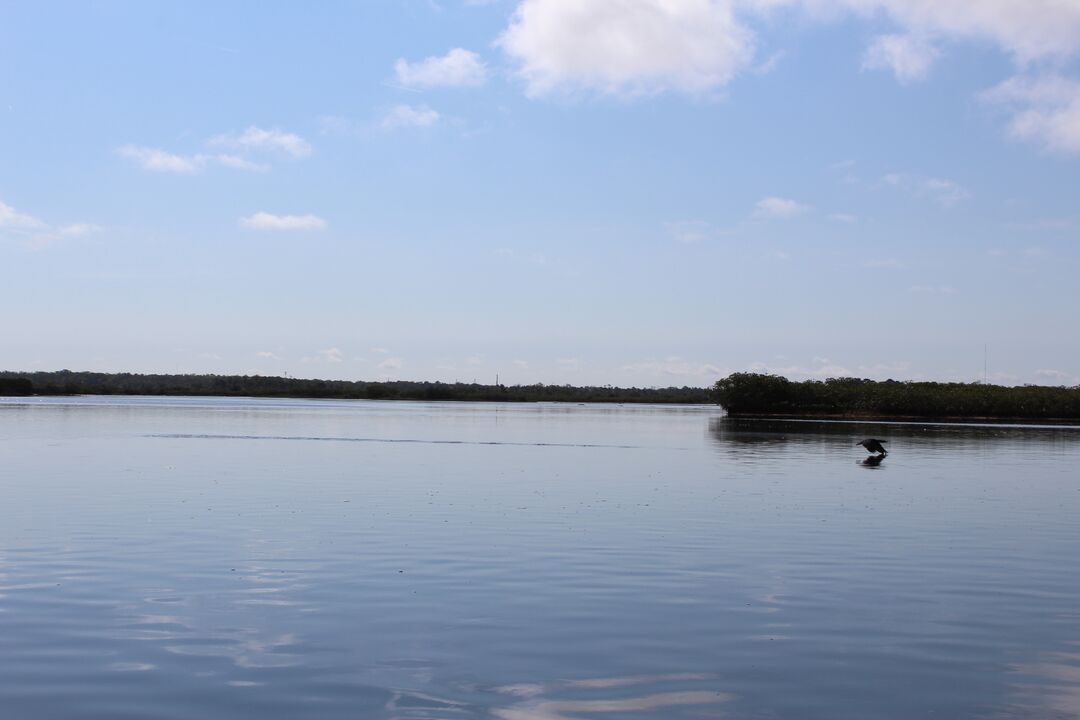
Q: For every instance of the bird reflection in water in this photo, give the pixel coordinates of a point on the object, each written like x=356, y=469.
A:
x=535, y=703
x=873, y=446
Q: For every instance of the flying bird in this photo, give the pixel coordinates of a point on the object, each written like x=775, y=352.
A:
x=874, y=446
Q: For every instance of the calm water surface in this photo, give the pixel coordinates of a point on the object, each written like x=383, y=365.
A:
x=235, y=558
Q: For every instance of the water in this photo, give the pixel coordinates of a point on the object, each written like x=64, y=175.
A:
x=235, y=558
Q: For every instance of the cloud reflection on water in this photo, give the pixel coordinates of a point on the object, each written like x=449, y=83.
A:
x=1053, y=684
x=536, y=704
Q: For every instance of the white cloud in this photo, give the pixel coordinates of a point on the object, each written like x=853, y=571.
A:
x=410, y=116
x=1045, y=110
x=267, y=355
x=779, y=207
x=626, y=48
x=268, y=221
x=635, y=47
x=36, y=233
x=459, y=67
x=256, y=138
x=1027, y=29
x=329, y=355
x=161, y=160
x=907, y=56
x=944, y=191
x=10, y=219
x=238, y=163
x=844, y=218
x=391, y=363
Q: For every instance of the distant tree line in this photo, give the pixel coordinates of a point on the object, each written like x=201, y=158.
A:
x=66, y=382
x=749, y=394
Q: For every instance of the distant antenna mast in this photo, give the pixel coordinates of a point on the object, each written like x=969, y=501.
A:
x=986, y=364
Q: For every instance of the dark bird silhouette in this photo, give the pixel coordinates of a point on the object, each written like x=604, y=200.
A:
x=874, y=446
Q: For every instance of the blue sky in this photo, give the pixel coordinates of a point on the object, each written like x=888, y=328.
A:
x=627, y=192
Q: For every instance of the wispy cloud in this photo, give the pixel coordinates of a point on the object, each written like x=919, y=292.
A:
x=1059, y=377
x=823, y=367
x=331, y=355
x=238, y=163
x=944, y=192
x=269, y=221
x=691, y=231
x=35, y=233
x=11, y=219
x=410, y=116
x=257, y=138
x=457, y=68
x=160, y=160
x=909, y=57
x=778, y=207
x=1045, y=110
x=253, y=139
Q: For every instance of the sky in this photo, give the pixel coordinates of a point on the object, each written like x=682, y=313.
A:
x=623, y=192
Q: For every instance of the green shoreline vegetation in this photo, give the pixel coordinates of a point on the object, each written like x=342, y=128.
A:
x=741, y=394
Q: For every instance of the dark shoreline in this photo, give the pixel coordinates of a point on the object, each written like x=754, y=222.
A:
x=773, y=396
x=913, y=419
x=66, y=382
